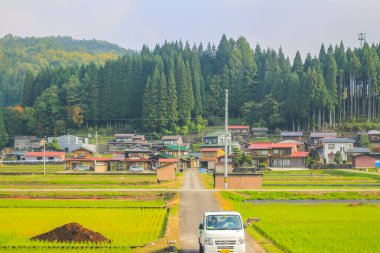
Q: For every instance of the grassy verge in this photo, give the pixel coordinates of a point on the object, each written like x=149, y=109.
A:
x=207, y=180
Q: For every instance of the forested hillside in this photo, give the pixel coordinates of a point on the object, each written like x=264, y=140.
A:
x=176, y=87
x=19, y=56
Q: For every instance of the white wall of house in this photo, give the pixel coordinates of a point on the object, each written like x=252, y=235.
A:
x=329, y=148
x=71, y=142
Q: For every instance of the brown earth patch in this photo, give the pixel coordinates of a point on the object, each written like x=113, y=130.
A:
x=72, y=232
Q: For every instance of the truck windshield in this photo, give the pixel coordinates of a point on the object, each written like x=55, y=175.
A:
x=223, y=222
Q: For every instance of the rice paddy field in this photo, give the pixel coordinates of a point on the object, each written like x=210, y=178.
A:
x=328, y=227
x=37, y=168
x=67, y=181
x=126, y=223
x=315, y=179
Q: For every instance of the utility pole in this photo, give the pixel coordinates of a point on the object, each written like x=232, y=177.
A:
x=225, y=143
x=96, y=141
x=179, y=159
x=45, y=155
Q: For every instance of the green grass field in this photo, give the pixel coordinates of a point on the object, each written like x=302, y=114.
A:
x=126, y=223
x=253, y=195
x=316, y=227
x=315, y=179
x=50, y=168
x=86, y=181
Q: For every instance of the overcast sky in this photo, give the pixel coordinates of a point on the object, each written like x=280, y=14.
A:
x=292, y=24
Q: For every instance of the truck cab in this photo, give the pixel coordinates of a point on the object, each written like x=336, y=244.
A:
x=221, y=232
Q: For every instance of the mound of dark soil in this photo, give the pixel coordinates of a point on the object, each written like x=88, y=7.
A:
x=72, y=232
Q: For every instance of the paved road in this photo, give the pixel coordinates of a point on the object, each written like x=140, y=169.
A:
x=192, y=205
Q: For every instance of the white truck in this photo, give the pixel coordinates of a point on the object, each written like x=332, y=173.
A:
x=221, y=232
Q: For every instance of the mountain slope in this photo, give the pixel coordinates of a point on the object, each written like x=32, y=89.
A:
x=21, y=55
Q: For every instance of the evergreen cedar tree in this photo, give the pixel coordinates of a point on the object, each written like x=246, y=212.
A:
x=176, y=86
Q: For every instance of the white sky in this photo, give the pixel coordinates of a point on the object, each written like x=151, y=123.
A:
x=292, y=24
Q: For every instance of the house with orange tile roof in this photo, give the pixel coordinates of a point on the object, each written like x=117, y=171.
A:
x=278, y=154
x=239, y=132
x=209, y=157
x=47, y=156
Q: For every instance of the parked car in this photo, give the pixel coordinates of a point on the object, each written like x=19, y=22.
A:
x=82, y=168
x=135, y=169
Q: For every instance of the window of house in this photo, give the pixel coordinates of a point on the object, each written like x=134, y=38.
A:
x=331, y=146
x=276, y=151
x=263, y=152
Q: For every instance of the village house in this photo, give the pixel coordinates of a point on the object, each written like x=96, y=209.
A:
x=316, y=137
x=138, y=156
x=260, y=132
x=217, y=137
x=287, y=155
x=217, y=140
x=68, y=143
x=209, y=157
x=83, y=159
x=332, y=145
x=172, y=140
x=125, y=141
x=239, y=132
x=284, y=154
x=374, y=136
x=219, y=165
x=187, y=160
x=31, y=143
x=260, y=152
x=47, y=156
x=174, y=151
x=297, y=136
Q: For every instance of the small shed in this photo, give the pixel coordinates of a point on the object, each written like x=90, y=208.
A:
x=363, y=161
x=166, y=172
x=100, y=167
x=239, y=181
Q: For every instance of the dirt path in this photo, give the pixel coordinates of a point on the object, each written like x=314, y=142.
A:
x=192, y=205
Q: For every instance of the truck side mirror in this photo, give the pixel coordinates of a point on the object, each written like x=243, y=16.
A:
x=201, y=225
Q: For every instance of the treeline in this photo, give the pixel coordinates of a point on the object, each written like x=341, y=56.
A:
x=19, y=56
x=176, y=86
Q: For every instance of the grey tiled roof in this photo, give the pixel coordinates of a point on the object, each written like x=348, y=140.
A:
x=337, y=140
x=322, y=135
x=358, y=150
x=291, y=134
